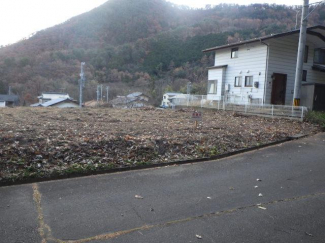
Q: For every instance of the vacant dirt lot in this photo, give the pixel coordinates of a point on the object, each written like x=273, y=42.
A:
x=42, y=142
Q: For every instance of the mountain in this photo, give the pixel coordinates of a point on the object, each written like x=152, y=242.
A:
x=145, y=45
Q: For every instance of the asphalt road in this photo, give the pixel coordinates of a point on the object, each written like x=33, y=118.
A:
x=217, y=201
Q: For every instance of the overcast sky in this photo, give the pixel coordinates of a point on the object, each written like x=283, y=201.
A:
x=20, y=18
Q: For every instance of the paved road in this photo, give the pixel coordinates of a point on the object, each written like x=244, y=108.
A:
x=214, y=200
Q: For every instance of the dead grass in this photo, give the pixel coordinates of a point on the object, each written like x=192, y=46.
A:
x=44, y=142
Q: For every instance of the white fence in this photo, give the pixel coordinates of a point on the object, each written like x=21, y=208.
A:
x=254, y=107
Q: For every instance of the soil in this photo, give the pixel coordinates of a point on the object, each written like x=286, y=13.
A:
x=42, y=142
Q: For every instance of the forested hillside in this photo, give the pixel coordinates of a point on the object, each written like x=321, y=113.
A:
x=144, y=45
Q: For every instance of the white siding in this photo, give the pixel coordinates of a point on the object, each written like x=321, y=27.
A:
x=251, y=61
x=283, y=59
x=66, y=105
x=217, y=74
x=2, y=104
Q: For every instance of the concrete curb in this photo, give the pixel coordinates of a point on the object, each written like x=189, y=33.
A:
x=182, y=162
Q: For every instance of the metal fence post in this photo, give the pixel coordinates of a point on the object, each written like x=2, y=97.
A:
x=245, y=108
x=272, y=111
x=302, y=113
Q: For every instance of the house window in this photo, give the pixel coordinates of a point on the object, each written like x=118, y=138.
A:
x=234, y=52
x=212, y=87
x=304, y=75
x=306, y=54
x=164, y=97
x=319, y=56
x=238, y=82
x=249, y=81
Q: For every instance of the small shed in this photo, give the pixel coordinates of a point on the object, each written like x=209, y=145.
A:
x=9, y=100
x=313, y=96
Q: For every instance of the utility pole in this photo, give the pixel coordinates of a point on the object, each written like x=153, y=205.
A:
x=107, y=88
x=81, y=83
x=101, y=93
x=189, y=87
x=98, y=92
x=301, y=52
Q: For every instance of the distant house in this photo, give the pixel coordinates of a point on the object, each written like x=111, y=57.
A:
x=59, y=103
x=134, y=100
x=47, y=96
x=55, y=99
x=262, y=70
x=9, y=100
x=168, y=98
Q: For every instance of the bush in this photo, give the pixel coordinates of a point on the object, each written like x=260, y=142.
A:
x=316, y=117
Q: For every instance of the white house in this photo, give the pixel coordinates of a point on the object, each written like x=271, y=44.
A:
x=45, y=97
x=262, y=70
x=59, y=103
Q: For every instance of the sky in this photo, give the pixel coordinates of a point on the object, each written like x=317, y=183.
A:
x=20, y=18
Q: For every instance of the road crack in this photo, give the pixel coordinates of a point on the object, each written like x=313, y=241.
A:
x=44, y=230
x=179, y=221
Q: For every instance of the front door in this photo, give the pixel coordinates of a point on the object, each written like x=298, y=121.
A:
x=319, y=98
x=279, y=86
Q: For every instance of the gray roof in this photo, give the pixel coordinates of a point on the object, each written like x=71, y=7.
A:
x=57, y=101
x=36, y=105
x=315, y=30
x=9, y=98
x=122, y=100
x=135, y=94
x=59, y=93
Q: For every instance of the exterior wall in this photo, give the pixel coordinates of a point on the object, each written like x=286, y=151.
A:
x=2, y=104
x=283, y=59
x=307, y=96
x=66, y=105
x=47, y=97
x=217, y=74
x=251, y=61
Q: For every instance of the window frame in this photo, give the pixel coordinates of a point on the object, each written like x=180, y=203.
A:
x=234, y=50
x=246, y=77
x=240, y=82
x=304, y=75
x=319, y=56
x=306, y=53
x=215, y=87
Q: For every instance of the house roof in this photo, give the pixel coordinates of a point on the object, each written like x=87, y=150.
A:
x=57, y=93
x=135, y=94
x=36, y=105
x=216, y=67
x=318, y=30
x=122, y=100
x=57, y=101
x=9, y=98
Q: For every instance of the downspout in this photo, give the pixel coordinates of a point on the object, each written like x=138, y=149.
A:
x=266, y=69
